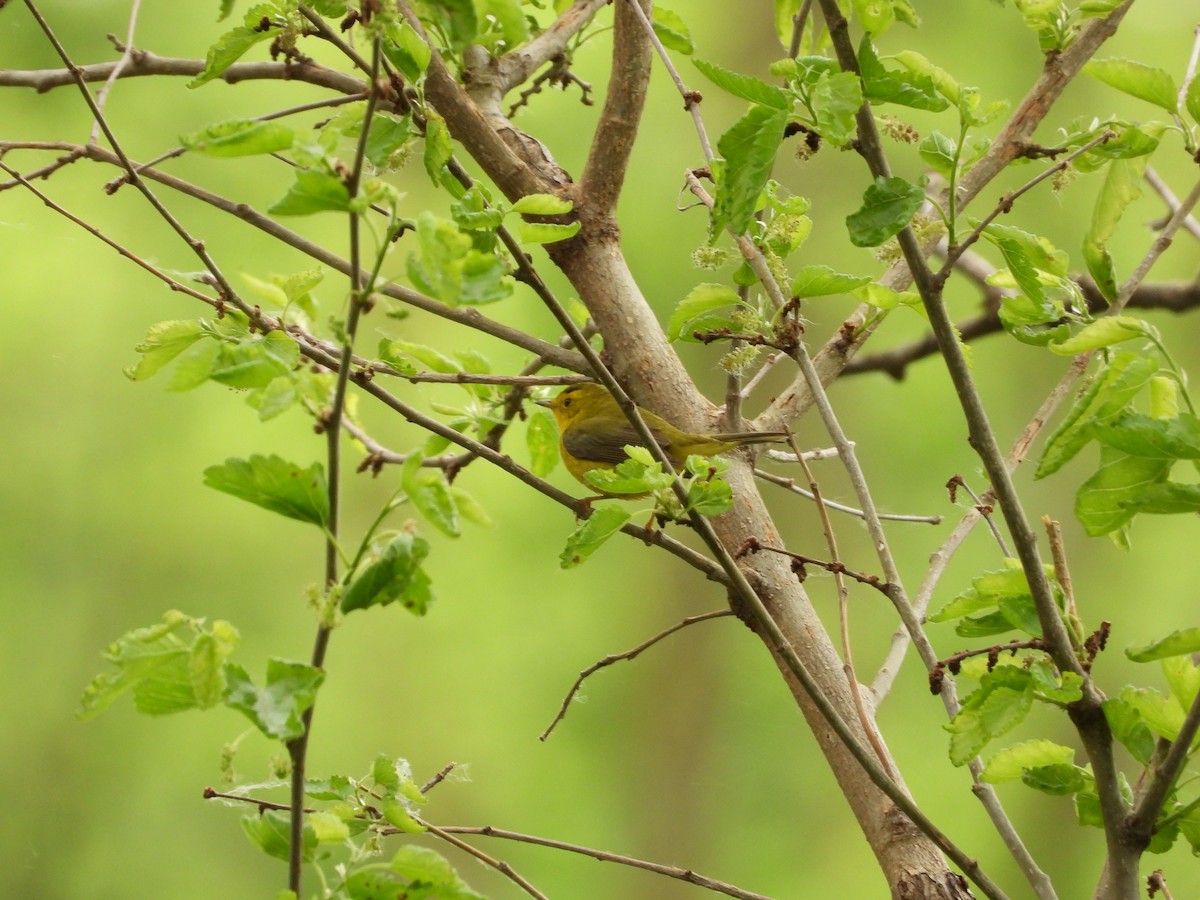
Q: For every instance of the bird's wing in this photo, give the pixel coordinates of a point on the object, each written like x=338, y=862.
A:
x=608, y=447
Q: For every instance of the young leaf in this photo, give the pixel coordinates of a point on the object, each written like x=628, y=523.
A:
x=1105, y=502
x=1008, y=764
x=1122, y=185
x=745, y=86
x=888, y=204
x=1138, y=435
x=275, y=484
x=1167, y=498
x=820, y=281
x=700, y=301
x=1145, y=82
x=1101, y=333
x=748, y=149
x=228, y=49
x=163, y=342
x=276, y=708
x=541, y=437
x=1001, y=702
x=394, y=575
x=547, y=232
x=603, y=523
x=430, y=872
x=242, y=137
x=543, y=205
x=1057, y=780
x=672, y=31
x=836, y=99
x=270, y=831
x=429, y=491
x=1110, y=392
x=1178, y=643
x=313, y=191
x=1128, y=728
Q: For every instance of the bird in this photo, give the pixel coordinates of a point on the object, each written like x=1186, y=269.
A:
x=594, y=431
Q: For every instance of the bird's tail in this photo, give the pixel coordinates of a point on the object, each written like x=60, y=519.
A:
x=752, y=437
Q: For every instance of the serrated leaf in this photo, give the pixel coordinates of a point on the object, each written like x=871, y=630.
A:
x=275, y=484
x=276, y=708
x=1138, y=435
x=1122, y=185
x=836, y=99
x=1178, y=643
x=1145, y=82
x=241, y=137
x=700, y=301
x=672, y=30
x=163, y=342
x=1162, y=715
x=313, y=191
x=1128, y=728
x=429, y=492
x=394, y=575
x=821, y=281
x=888, y=205
x=426, y=868
x=229, y=48
x=541, y=438
x=1167, y=498
x=1111, y=391
x=1056, y=780
x=748, y=149
x=745, y=86
x=1105, y=502
x=407, y=50
x=603, y=523
x=1008, y=764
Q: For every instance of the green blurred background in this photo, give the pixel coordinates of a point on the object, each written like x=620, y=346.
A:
x=693, y=755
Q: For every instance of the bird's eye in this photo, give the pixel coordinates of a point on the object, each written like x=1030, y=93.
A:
x=567, y=402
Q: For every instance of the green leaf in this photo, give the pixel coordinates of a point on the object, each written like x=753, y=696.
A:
x=1057, y=780
x=394, y=353
x=708, y=494
x=229, y=48
x=1167, y=498
x=546, y=232
x=836, y=99
x=165, y=672
x=748, y=149
x=1138, y=435
x=821, y=281
x=276, y=708
x=640, y=474
x=939, y=152
x=1101, y=333
x=1193, y=99
x=163, y=342
x=913, y=87
x=999, y=705
x=1010, y=763
x=543, y=205
x=429, y=491
x=313, y=191
x=270, y=830
x=672, y=31
x=428, y=870
x=447, y=265
x=745, y=86
x=1122, y=185
x=241, y=137
x=696, y=306
x=1128, y=728
x=1145, y=82
x=407, y=50
x=253, y=361
x=1178, y=643
x=394, y=575
x=876, y=16
x=603, y=523
x=438, y=147
x=275, y=484
x=1105, y=502
x=888, y=205
x=541, y=437
x=1162, y=715
x=389, y=133
x=1110, y=392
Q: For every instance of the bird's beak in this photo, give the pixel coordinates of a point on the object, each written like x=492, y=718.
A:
x=544, y=403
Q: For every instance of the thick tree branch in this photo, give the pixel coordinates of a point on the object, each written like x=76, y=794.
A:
x=608, y=159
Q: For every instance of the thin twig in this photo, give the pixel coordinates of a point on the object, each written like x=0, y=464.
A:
x=790, y=484
x=687, y=875
x=126, y=55
x=1168, y=197
x=498, y=864
x=625, y=655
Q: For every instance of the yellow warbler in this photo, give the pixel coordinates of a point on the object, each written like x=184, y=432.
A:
x=594, y=432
